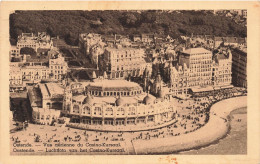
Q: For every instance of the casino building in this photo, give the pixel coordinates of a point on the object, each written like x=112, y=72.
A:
x=114, y=103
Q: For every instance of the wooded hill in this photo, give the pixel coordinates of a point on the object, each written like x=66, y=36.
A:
x=69, y=24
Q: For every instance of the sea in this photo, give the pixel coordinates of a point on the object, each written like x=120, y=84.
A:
x=235, y=142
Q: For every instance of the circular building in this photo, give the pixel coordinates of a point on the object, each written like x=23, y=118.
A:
x=110, y=104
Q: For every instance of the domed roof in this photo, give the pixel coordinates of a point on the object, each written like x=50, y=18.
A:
x=147, y=100
x=88, y=100
x=119, y=102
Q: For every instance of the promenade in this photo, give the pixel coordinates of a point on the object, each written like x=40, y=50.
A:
x=169, y=139
x=215, y=129
x=128, y=128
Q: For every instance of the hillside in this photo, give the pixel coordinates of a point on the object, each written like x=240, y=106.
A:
x=69, y=24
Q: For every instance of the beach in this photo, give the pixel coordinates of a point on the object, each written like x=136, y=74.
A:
x=235, y=142
x=216, y=129
x=224, y=133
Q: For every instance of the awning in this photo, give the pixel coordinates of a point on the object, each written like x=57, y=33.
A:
x=228, y=86
x=202, y=89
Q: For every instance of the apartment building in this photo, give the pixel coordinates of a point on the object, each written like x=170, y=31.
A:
x=239, y=64
x=222, y=68
x=121, y=62
x=199, y=61
x=88, y=40
x=42, y=40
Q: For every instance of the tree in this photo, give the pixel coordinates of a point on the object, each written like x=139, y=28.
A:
x=28, y=51
x=148, y=17
x=129, y=20
x=49, y=31
x=68, y=24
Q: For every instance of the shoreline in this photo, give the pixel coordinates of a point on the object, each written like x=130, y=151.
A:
x=197, y=139
x=219, y=140
x=217, y=128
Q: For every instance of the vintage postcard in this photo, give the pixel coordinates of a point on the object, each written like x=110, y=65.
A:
x=176, y=82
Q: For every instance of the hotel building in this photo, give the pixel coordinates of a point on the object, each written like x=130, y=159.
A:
x=36, y=71
x=199, y=61
x=120, y=63
x=57, y=67
x=15, y=78
x=30, y=40
x=239, y=64
x=221, y=69
x=198, y=70
x=86, y=41
x=178, y=79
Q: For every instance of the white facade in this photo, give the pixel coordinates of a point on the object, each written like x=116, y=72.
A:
x=15, y=77
x=222, y=69
x=30, y=40
x=122, y=62
x=199, y=60
x=86, y=41
x=35, y=73
x=58, y=67
x=45, y=116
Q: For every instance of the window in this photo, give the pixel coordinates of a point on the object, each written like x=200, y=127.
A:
x=120, y=111
x=86, y=109
x=97, y=110
x=109, y=111
x=131, y=111
x=76, y=109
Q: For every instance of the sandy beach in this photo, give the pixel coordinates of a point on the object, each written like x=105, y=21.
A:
x=213, y=132
x=215, y=129
x=234, y=142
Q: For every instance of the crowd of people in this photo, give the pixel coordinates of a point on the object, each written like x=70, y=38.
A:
x=190, y=115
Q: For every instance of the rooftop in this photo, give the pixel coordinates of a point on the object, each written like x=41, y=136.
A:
x=122, y=49
x=34, y=96
x=242, y=51
x=241, y=40
x=196, y=51
x=112, y=99
x=221, y=56
x=50, y=89
x=54, y=88
x=79, y=98
x=218, y=38
x=114, y=83
x=34, y=66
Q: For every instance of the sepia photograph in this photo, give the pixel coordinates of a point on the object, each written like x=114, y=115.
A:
x=128, y=82
x=166, y=83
